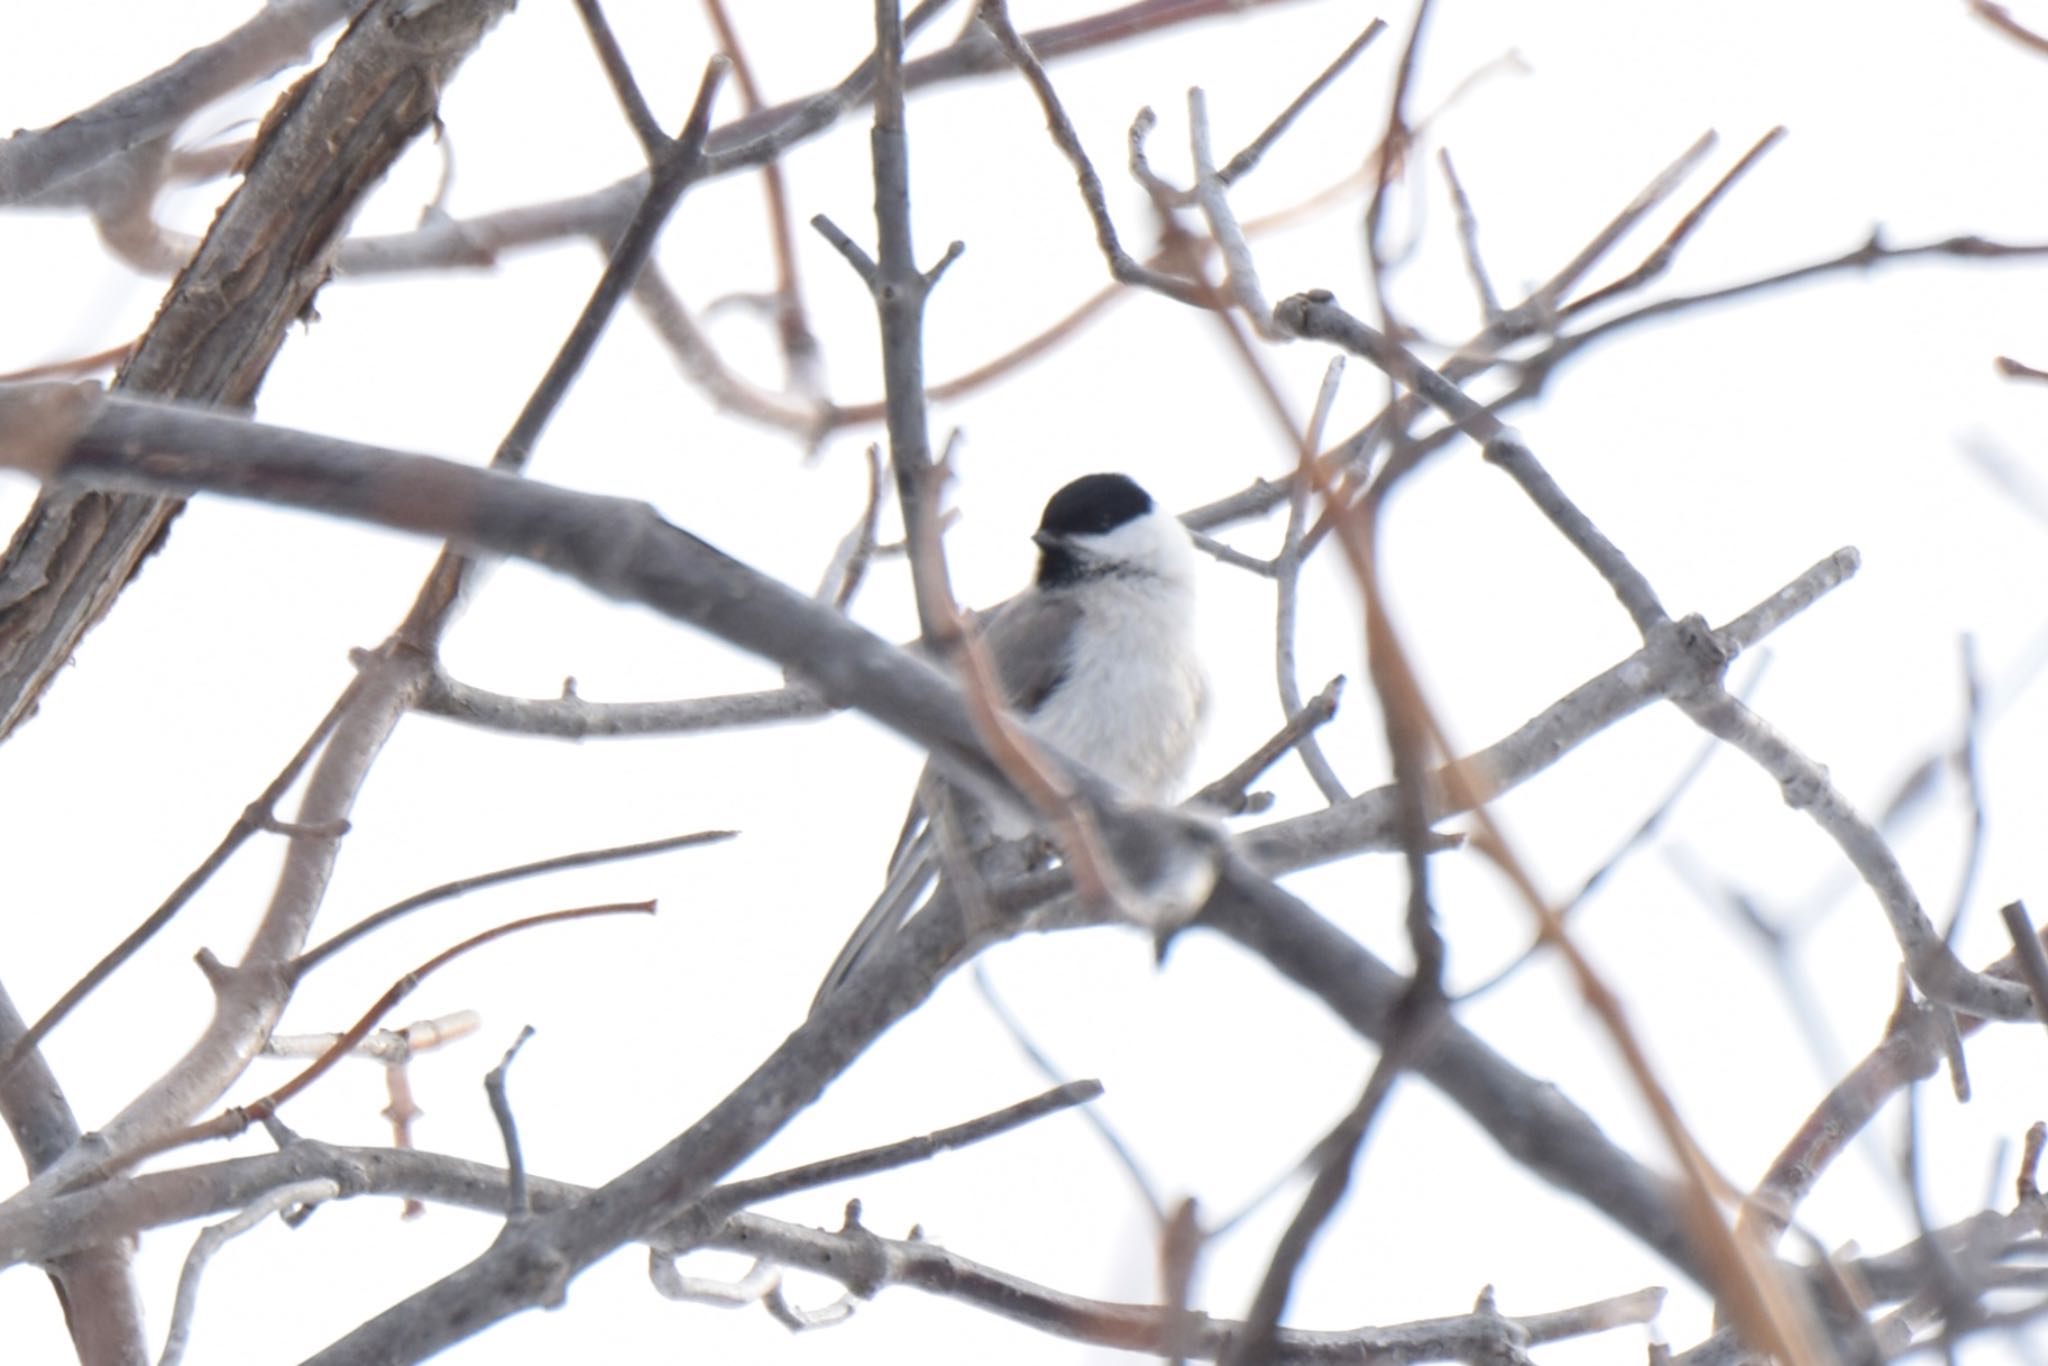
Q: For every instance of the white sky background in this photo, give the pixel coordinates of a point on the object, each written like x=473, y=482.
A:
x=1725, y=452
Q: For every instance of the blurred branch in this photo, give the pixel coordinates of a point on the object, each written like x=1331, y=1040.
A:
x=298, y=1195
x=280, y=34
x=754, y=140
x=1807, y=788
x=497, y=877
x=737, y=1195
x=1910, y=1051
x=221, y=324
x=855, y=1257
x=571, y=717
x=2000, y=18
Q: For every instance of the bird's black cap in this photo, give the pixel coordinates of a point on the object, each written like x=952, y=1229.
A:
x=1093, y=504
x=1090, y=506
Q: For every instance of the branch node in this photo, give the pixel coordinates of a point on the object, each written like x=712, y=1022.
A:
x=218, y=975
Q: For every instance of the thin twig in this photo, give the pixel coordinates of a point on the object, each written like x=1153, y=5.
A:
x=1122, y=265
x=297, y=1195
x=1645, y=830
x=1910, y=1050
x=1241, y=165
x=1240, y=274
x=1966, y=758
x=406, y=985
x=792, y=327
x=497, y=877
x=237, y=1119
x=1227, y=793
x=737, y=1195
x=856, y=550
x=1999, y=17
x=1092, y=1116
x=1316, y=315
x=1337, y=1160
x=654, y=139
x=677, y=164
x=1468, y=239
x=260, y=814
x=518, y=1205
x=1287, y=587
x=1388, y=162
x=1180, y=1252
x=1659, y=260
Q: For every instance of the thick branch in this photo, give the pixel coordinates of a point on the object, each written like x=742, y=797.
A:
x=324, y=147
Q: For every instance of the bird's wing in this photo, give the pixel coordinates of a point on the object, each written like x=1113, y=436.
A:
x=1029, y=637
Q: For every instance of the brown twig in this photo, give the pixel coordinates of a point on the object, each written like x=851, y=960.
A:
x=497, y=877
x=2015, y=369
x=1126, y=1160
x=269, y=1104
x=2000, y=18
x=73, y=367
x=792, y=327
x=1660, y=258
x=1389, y=160
x=237, y=1119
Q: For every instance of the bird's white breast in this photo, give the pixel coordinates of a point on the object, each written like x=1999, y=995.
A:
x=1131, y=701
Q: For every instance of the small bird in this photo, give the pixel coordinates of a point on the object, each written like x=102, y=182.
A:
x=1097, y=656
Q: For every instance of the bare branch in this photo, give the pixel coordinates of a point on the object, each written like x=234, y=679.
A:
x=738, y=1195
x=1123, y=267
x=2000, y=18
x=518, y=1205
x=298, y=1195
x=280, y=34
x=572, y=717
x=1468, y=239
x=1242, y=165
x=463, y=886
x=214, y=337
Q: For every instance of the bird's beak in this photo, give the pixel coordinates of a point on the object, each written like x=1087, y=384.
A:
x=1047, y=540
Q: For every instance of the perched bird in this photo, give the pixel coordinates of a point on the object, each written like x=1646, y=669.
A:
x=1098, y=658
